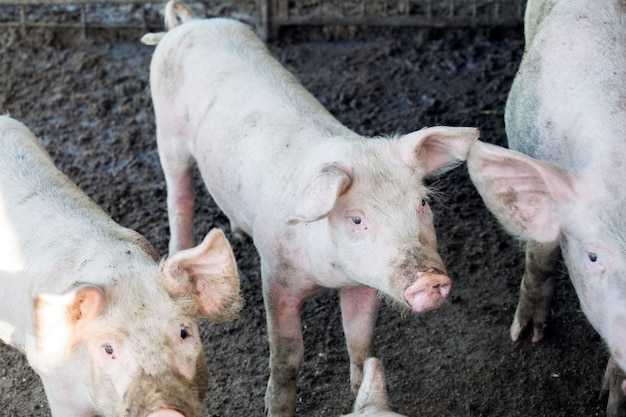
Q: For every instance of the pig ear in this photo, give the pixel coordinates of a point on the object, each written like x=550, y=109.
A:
x=318, y=195
x=523, y=193
x=372, y=392
x=60, y=321
x=437, y=149
x=209, y=273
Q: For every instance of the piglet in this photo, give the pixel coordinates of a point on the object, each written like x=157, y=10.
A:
x=326, y=207
x=110, y=330
x=561, y=187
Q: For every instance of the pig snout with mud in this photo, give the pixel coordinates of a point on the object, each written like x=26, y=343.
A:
x=110, y=330
x=564, y=191
x=326, y=208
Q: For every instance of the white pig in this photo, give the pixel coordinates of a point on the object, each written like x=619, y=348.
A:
x=564, y=192
x=110, y=330
x=371, y=401
x=326, y=208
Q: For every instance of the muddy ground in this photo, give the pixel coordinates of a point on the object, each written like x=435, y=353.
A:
x=88, y=100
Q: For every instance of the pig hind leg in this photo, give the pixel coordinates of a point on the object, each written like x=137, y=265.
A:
x=178, y=168
x=537, y=289
x=359, y=309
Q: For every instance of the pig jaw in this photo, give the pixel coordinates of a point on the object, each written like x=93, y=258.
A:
x=428, y=292
x=167, y=395
x=162, y=394
x=617, y=342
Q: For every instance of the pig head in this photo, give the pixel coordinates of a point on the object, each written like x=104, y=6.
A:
x=326, y=208
x=110, y=330
x=553, y=208
x=373, y=227
x=563, y=191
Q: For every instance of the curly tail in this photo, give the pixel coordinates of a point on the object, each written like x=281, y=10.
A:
x=176, y=13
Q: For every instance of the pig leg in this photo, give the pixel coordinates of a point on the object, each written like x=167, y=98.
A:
x=537, y=289
x=283, y=304
x=178, y=169
x=359, y=309
x=614, y=379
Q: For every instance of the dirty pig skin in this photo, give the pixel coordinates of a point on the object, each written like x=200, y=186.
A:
x=326, y=207
x=111, y=330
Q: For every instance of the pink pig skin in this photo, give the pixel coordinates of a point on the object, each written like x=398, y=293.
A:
x=371, y=400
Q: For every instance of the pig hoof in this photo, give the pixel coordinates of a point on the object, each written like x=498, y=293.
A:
x=428, y=291
x=538, y=333
x=516, y=329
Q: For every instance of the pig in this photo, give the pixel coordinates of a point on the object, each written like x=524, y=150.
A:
x=371, y=401
x=325, y=207
x=561, y=186
x=110, y=329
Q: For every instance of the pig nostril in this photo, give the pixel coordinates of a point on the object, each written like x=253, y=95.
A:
x=428, y=291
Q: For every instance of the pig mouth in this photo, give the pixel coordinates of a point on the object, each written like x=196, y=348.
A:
x=428, y=291
x=163, y=395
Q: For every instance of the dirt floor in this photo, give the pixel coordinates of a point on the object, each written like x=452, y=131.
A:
x=88, y=100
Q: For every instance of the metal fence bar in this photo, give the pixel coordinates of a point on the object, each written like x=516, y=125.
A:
x=77, y=19
x=271, y=15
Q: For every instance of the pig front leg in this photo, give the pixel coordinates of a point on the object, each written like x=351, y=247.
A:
x=536, y=289
x=283, y=305
x=359, y=310
x=614, y=384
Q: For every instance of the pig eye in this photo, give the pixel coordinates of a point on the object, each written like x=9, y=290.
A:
x=423, y=202
x=356, y=220
x=184, y=333
x=593, y=257
x=108, y=349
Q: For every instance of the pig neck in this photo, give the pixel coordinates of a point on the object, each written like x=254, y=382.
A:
x=272, y=179
x=83, y=245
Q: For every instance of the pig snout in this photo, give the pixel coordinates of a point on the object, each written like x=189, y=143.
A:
x=166, y=394
x=428, y=291
x=165, y=413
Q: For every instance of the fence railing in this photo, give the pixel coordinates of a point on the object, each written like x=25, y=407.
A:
x=428, y=13
x=268, y=16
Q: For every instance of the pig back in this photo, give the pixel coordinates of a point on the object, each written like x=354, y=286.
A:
x=52, y=234
x=567, y=102
x=248, y=121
